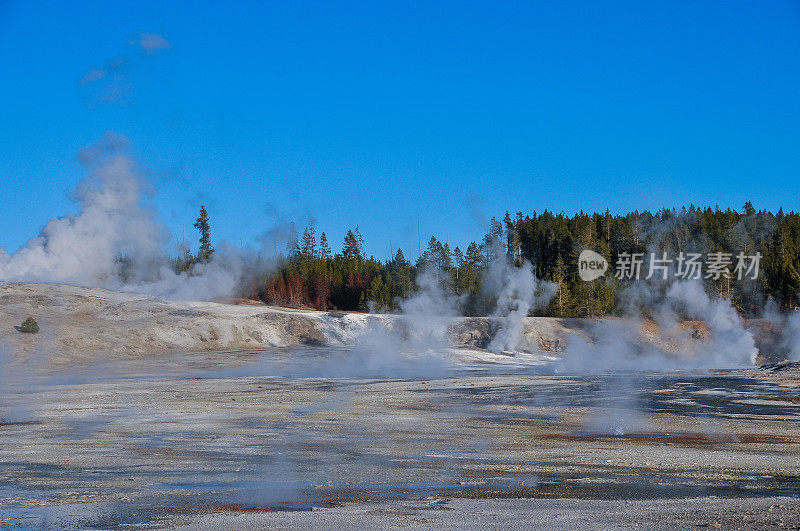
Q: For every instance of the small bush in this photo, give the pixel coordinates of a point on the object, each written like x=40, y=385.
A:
x=30, y=326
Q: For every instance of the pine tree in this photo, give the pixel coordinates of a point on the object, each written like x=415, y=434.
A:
x=400, y=271
x=308, y=243
x=324, y=248
x=446, y=259
x=492, y=241
x=458, y=262
x=399, y=258
x=353, y=245
x=473, y=257
x=360, y=240
x=428, y=258
x=512, y=238
x=202, y=224
x=471, y=273
x=458, y=258
x=559, y=277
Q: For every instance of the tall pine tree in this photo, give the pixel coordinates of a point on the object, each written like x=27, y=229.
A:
x=308, y=243
x=324, y=248
x=202, y=224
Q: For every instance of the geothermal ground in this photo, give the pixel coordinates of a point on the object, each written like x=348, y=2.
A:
x=313, y=432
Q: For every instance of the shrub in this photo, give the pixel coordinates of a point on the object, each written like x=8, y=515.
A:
x=29, y=326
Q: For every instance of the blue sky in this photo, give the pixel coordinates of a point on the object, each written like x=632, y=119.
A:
x=380, y=113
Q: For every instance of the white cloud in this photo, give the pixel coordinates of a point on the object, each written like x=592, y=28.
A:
x=152, y=43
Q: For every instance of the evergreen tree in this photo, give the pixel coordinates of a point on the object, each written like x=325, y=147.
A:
x=492, y=241
x=400, y=271
x=399, y=258
x=445, y=258
x=458, y=258
x=458, y=264
x=471, y=278
x=473, y=257
x=308, y=243
x=202, y=224
x=353, y=245
x=512, y=238
x=324, y=248
x=360, y=240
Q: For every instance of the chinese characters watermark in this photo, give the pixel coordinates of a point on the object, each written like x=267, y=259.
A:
x=685, y=266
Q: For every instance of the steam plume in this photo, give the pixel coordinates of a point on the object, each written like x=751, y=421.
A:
x=619, y=345
x=518, y=293
x=115, y=240
x=112, y=222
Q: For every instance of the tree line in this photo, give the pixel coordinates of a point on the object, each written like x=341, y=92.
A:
x=313, y=276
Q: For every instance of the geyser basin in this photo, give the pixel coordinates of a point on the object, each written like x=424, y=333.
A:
x=224, y=439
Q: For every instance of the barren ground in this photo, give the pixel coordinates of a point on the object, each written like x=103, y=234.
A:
x=81, y=323
x=284, y=436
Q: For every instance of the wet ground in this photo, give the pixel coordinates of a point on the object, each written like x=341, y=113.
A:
x=251, y=439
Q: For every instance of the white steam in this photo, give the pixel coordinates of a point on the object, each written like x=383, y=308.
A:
x=427, y=314
x=112, y=222
x=792, y=336
x=413, y=345
x=729, y=344
x=787, y=328
x=619, y=344
x=518, y=292
x=115, y=240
